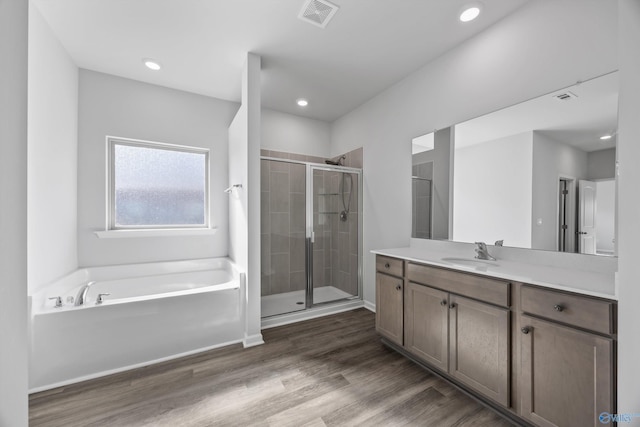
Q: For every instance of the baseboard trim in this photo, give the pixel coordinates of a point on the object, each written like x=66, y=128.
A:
x=370, y=306
x=252, y=340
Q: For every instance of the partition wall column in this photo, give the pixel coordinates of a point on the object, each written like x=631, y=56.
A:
x=13, y=213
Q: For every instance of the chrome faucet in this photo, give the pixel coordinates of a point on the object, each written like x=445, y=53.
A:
x=81, y=299
x=482, y=252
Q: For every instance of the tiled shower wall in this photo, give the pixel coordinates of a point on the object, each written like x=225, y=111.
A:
x=283, y=215
x=421, y=200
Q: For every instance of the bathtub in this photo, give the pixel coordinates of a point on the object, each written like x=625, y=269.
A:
x=154, y=312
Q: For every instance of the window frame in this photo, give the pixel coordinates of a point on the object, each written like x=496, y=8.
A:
x=111, y=142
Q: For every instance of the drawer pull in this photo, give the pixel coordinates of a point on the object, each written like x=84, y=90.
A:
x=398, y=287
x=387, y=265
x=452, y=305
x=443, y=302
x=558, y=307
x=525, y=330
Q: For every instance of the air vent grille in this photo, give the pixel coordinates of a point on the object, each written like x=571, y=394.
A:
x=318, y=12
x=565, y=96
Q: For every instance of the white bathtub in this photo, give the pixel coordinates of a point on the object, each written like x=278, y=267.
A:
x=154, y=312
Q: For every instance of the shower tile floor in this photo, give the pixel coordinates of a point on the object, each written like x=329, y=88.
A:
x=288, y=302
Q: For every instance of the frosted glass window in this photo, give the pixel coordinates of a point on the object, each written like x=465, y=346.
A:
x=157, y=186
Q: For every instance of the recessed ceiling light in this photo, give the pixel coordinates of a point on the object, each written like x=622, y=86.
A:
x=605, y=137
x=302, y=102
x=151, y=64
x=470, y=13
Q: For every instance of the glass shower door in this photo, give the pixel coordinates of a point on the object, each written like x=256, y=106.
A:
x=334, y=218
x=283, y=225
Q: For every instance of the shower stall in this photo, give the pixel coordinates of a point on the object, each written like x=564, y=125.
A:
x=311, y=216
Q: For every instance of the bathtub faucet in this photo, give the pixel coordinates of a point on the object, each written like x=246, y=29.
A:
x=82, y=294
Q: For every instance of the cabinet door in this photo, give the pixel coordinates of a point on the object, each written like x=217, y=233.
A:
x=567, y=374
x=479, y=352
x=389, y=294
x=427, y=324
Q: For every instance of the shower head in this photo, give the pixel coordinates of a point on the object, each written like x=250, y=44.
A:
x=336, y=162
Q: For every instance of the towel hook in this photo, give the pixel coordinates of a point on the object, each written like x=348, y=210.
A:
x=230, y=189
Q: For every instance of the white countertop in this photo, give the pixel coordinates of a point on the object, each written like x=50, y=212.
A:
x=597, y=284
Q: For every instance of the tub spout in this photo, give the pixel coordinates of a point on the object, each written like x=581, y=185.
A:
x=81, y=299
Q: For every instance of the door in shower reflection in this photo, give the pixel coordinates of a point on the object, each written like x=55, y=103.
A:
x=333, y=256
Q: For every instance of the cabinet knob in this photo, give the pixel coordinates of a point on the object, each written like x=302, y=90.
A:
x=525, y=330
x=558, y=307
x=387, y=265
x=398, y=287
x=452, y=305
x=443, y=302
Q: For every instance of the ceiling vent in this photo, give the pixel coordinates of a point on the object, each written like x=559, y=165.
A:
x=565, y=96
x=318, y=12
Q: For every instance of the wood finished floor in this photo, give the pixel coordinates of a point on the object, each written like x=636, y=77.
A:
x=331, y=371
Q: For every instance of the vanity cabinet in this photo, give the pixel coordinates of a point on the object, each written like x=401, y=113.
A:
x=389, y=298
x=545, y=358
x=566, y=358
x=465, y=338
x=479, y=347
x=426, y=331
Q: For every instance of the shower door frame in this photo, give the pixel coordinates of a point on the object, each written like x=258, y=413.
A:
x=309, y=234
x=310, y=238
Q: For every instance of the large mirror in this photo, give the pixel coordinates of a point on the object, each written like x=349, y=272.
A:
x=538, y=175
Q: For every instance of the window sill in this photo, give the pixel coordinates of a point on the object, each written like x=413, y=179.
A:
x=169, y=232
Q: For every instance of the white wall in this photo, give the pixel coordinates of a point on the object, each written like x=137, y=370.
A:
x=251, y=99
x=492, y=191
x=601, y=164
x=295, y=134
x=238, y=174
x=551, y=160
x=244, y=207
x=52, y=156
x=629, y=210
x=508, y=63
x=13, y=213
x=110, y=105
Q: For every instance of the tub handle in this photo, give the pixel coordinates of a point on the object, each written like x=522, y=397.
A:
x=100, y=300
x=58, y=301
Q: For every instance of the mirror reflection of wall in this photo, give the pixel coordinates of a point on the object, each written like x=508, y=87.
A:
x=517, y=173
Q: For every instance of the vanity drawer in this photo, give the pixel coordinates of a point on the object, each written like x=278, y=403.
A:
x=388, y=265
x=581, y=311
x=477, y=287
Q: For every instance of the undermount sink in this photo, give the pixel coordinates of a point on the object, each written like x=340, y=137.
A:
x=471, y=262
